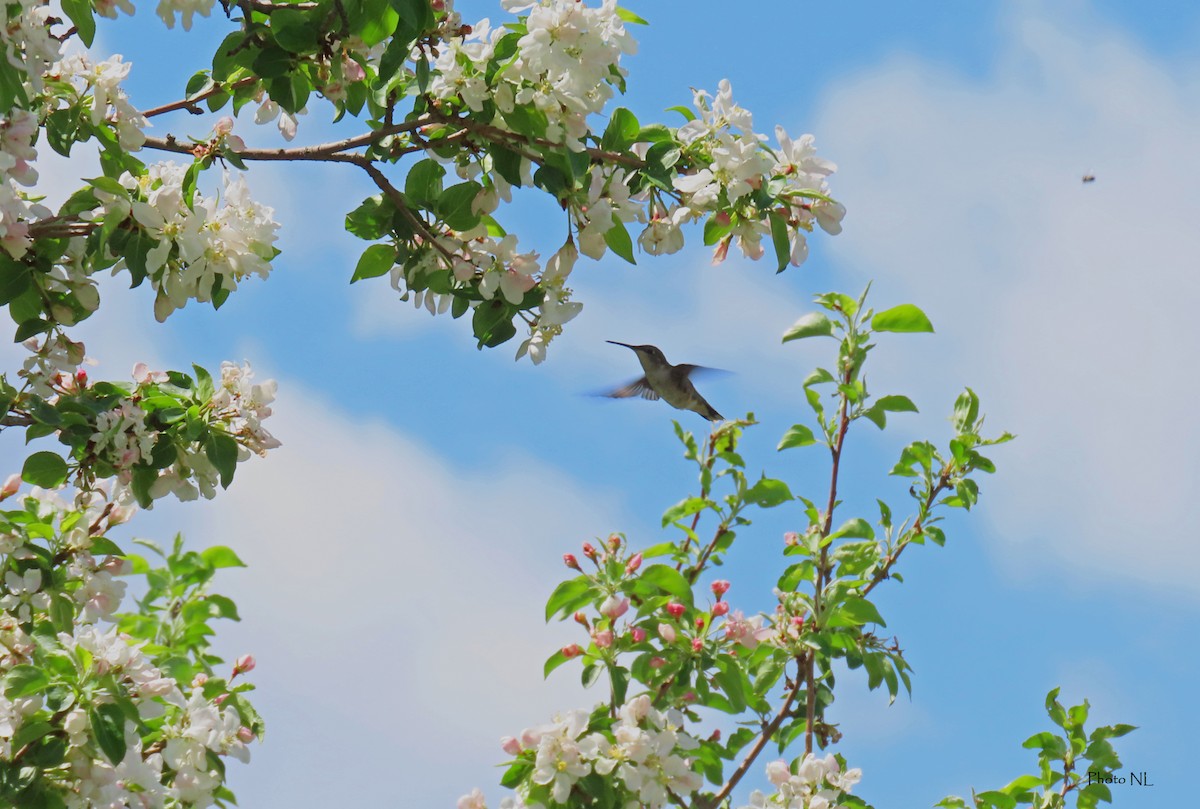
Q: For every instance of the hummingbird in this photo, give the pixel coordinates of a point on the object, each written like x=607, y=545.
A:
x=665, y=381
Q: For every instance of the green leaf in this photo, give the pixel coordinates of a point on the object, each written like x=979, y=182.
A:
x=108, y=723
x=294, y=30
x=423, y=184
x=629, y=17
x=669, y=580
x=371, y=219
x=28, y=328
x=376, y=260
x=30, y=732
x=768, y=493
x=80, y=12
x=621, y=132
x=855, y=528
x=813, y=324
x=855, y=611
x=45, y=469
x=902, y=318
x=684, y=508
x=966, y=411
x=568, y=596
x=618, y=240
x=454, y=205
x=552, y=662
x=219, y=556
x=896, y=404
x=797, y=436
x=23, y=680
x=14, y=278
x=779, y=239
x=492, y=323
x=222, y=450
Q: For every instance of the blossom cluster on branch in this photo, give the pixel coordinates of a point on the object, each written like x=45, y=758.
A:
x=100, y=707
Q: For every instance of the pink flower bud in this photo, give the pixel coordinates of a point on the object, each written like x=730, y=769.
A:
x=722, y=218
x=581, y=619
x=666, y=632
x=510, y=745
x=791, y=538
x=572, y=651
x=119, y=515
x=690, y=696
x=797, y=620
x=353, y=71
x=720, y=587
x=720, y=608
x=11, y=486
x=245, y=734
x=221, y=699
x=716, y=736
x=657, y=662
x=589, y=551
x=224, y=126
x=675, y=610
x=613, y=607
x=638, y=634
x=244, y=664
x=199, y=680
x=570, y=561
x=81, y=378
x=634, y=563
x=614, y=542
x=116, y=566
x=699, y=621
x=697, y=644
x=604, y=638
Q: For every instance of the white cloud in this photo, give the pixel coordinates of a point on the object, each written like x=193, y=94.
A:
x=1070, y=307
x=394, y=602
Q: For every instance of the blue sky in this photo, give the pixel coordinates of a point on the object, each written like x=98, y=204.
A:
x=403, y=540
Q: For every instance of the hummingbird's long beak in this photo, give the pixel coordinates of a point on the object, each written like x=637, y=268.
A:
x=614, y=342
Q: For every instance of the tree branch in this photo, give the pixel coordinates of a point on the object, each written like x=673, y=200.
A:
x=190, y=104
x=767, y=732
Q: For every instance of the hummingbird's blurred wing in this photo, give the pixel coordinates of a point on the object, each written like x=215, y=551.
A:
x=638, y=387
x=688, y=370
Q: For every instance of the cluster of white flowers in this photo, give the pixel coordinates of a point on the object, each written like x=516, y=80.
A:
x=123, y=438
x=12, y=716
x=198, y=246
x=186, y=9
x=113, y=653
x=108, y=101
x=607, y=202
x=740, y=165
x=28, y=43
x=17, y=154
x=99, y=593
x=179, y=769
x=565, y=65
x=30, y=46
x=645, y=754
x=460, y=64
x=52, y=365
x=199, y=727
x=500, y=269
x=818, y=783
x=242, y=405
